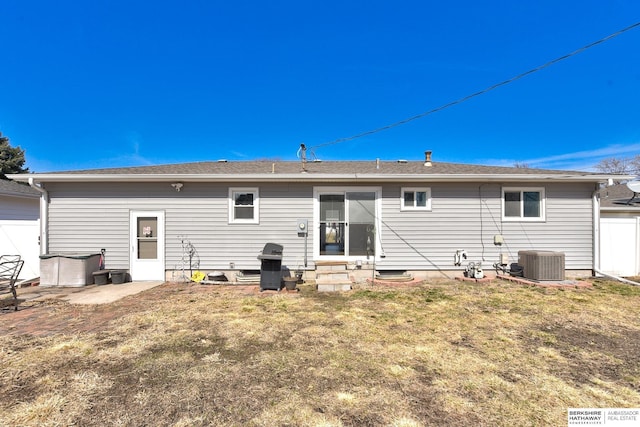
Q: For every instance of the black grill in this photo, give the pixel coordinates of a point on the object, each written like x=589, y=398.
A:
x=271, y=267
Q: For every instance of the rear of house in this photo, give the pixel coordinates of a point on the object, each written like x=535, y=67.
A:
x=158, y=222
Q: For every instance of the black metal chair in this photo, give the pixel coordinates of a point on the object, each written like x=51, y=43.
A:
x=9, y=271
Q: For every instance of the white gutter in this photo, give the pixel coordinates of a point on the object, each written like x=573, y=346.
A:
x=44, y=215
x=628, y=208
x=308, y=177
x=596, y=242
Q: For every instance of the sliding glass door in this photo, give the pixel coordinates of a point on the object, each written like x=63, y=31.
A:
x=347, y=222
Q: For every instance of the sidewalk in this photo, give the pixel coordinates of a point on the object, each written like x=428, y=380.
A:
x=91, y=294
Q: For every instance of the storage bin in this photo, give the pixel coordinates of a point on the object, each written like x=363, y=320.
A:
x=68, y=269
x=118, y=277
x=101, y=277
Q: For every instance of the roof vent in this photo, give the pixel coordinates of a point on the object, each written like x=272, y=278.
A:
x=222, y=161
x=427, y=159
x=402, y=161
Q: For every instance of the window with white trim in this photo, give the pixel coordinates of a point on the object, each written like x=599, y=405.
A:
x=523, y=204
x=416, y=199
x=243, y=206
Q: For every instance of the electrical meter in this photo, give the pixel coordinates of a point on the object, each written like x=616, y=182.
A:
x=302, y=226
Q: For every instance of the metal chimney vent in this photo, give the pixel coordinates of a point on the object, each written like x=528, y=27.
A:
x=542, y=265
x=427, y=159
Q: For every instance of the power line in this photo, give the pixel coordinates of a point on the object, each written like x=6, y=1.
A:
x=482, y=92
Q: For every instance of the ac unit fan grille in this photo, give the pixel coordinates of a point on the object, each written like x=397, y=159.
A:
x=542, y=265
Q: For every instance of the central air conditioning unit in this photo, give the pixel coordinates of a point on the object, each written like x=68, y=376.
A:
x=542, y=265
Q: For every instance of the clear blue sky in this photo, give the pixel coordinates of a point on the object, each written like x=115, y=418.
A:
x=86, y=84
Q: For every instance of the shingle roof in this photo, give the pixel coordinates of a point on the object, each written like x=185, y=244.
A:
x=618, y=196
x=12, y=188
x=324, y=167
x=315, y=171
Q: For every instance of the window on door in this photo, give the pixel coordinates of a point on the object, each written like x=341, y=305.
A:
x=147, y=236
x=332, y=224
x=362, y=216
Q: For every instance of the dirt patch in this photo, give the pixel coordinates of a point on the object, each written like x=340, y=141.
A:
x=591, y=355
x=441, y=353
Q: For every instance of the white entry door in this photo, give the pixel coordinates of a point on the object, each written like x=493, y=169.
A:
x=147, y=245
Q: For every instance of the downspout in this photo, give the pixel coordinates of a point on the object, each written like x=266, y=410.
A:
x=596, y=243
x=595, y=207
x=44, y=216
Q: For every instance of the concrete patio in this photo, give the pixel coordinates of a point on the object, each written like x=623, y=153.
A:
x=91, y=294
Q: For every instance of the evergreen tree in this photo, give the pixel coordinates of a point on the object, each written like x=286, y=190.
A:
x=11, y=158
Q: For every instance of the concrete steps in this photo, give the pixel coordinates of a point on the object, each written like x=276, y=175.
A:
x=332, y=276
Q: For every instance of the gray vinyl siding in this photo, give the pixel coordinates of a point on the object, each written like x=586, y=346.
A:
x=19, y=208
x=468, y=216
x=85, y=217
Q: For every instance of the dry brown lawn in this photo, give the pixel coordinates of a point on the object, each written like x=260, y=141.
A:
x=442, y=353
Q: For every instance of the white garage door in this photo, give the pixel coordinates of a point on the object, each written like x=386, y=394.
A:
x=619, y=246
x=21, y=238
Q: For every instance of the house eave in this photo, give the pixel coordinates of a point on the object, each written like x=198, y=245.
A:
x=312, y=177
x=19, y=195
x=630, y=208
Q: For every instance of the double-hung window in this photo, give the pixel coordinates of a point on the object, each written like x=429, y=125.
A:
x=523, y=204
x=243, y=206
x=416, y=199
